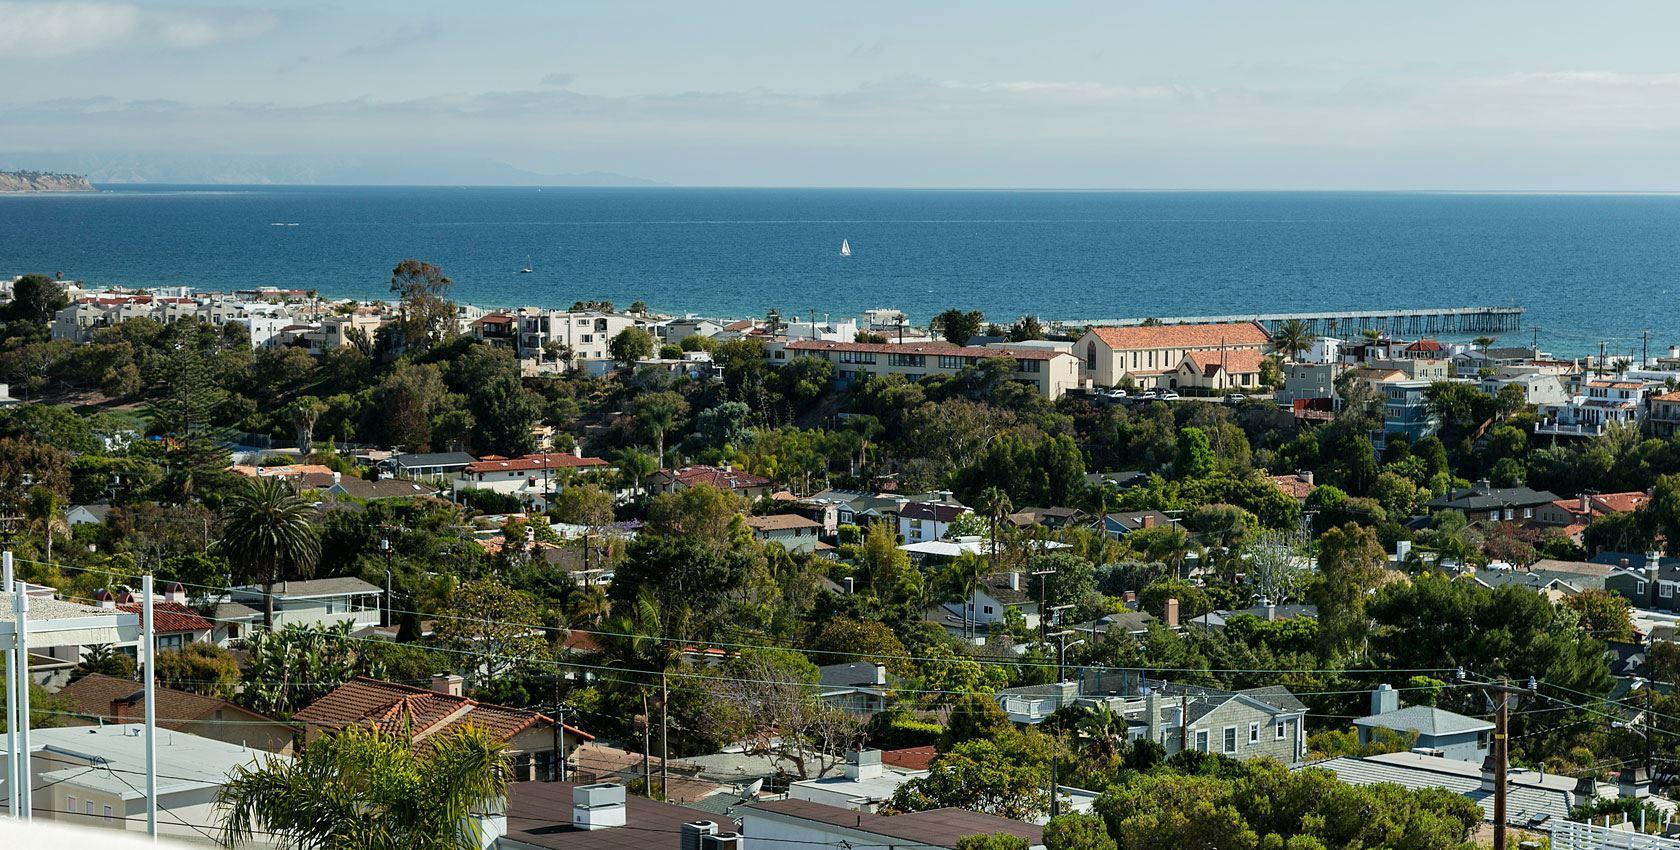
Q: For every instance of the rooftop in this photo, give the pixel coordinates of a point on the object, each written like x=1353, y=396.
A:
x=940, y=348
x=935, y=828
x=392, y=707
x=1183, y=336
x=1425, y=720
x=780, y=522
x=540, y=814
x=184, y=762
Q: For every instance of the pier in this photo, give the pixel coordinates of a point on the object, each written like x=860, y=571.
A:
x=1446, y=320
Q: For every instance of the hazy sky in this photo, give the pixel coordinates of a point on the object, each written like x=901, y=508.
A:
x=1174, y=94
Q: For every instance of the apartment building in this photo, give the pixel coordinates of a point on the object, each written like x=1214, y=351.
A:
x=584, y=334
x=1601, y=404
x=1050, y=372
x=1149, y=355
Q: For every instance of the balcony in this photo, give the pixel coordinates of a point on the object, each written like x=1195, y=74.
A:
x=1553, y=427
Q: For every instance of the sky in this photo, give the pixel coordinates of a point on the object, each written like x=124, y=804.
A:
x=1179, y=94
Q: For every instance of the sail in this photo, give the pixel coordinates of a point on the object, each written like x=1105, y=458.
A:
x=845, y=248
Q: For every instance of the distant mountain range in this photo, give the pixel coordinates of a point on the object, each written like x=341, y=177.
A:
x=307, y=170
x=43, y=181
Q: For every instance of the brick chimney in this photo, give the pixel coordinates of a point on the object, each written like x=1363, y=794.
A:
x=1170, y=615
x=119, y=711
x=1147, y=521
x=447, y=684
x=1586, y=504
x=176, y=593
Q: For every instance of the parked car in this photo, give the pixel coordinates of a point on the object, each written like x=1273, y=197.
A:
x=1166, y=395
x=1235, y=398
x=1114, y=394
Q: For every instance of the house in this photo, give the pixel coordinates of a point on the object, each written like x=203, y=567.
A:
x=87, y=514
x=1150, y=355
x=1298, y=486
x=1647, y=581
x=1557, y=580
x=864, y=784
x=96, y=776
x=420, y=713
x=585, y=334
x=494, y=328
x=803, y=825
x=1118, y=525
x=726, y=478
x=1604, y=404
x=177, y=625
x=317, y=602
x=1482, y=502
x=1438, y=731
x=1533, y=800
x=1217, y=620
x=1051, y=518
x=1090, y=686
x=986, y=608
x=354, y=487
x=859, y=687
x=601, y=816
x=674, y=331
x=1538, y=388
x=929, y=517
x=1664, y=417
x=100, y=700
x=793, y=532
x=1309, y=381
x=532, y=478
x=1590, y=506
x=1052, y=373
x=1267, y=722
x=422, y=466
x=1406, y=410
x=1219, y=370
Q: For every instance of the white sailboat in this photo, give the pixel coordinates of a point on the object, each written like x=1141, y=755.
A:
x=527, y=269
x=845, y=248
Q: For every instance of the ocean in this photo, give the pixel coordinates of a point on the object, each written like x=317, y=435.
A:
x=1588, y=268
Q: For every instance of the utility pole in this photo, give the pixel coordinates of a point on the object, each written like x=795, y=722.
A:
x=1601, y=357
x=1061, y=653
x=664, y=738
x=1501, y=692
x=1536, y=342
x=1645, y=348
x=1043, y=612
x=150, y=676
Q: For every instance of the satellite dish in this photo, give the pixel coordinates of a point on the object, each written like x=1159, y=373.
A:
x=752, y=789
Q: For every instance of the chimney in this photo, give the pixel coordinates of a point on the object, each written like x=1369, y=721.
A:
x=863, y=764
x=1305, y=475
x=1015, y=580
x=1268, y=609
x=1131, y=597
x=880, y=673
x=447, y=684
x=1586, y=791
x=692, y=831
x=104, y=598
x=1152, y=714
x=577, y=451
x=1385, y=699
x=1674, y=352
x=337, y=477
x=119, y=711
x=1147, y=521
x=1633, y=782
x=176, y=593
x=1171, y=613
x=598, y=806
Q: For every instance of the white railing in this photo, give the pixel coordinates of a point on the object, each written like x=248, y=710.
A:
x=1573, y=835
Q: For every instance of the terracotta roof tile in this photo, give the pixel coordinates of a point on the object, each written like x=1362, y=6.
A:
x=400, y=708
x=1183, y=336
x=942, y=348
x=535, y=462
x=171, y=616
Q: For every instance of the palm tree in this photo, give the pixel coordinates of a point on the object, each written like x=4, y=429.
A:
x=1098, y=728
x=268, y=535
x=633, y=469
x=366, y=789
x=995, y=506
x=1483, y=342
x=46, y=512
x=657, y=416
x=1371, y=334
x=638, y=641
x=964, y=576
x=1292, y=338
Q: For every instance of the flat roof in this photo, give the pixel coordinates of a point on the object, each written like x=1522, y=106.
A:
x=540, y=814
x=935, y=827
x=184, y=761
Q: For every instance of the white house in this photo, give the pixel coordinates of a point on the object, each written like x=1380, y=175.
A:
x=793, y=532
x=929, y=517
x=95, y=776
x=533, y=478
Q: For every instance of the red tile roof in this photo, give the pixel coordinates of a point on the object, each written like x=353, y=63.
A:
x=1424, y=345
x=723, y=479
x=171, y=616
x=391, y=707
x=1183, y=336
x=780, y=522
x=95, y=694
x=943, y=348
x=1239, y=361
x=531, y=463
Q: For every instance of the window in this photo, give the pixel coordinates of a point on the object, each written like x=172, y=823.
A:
x=1201, y=740
x=946, y=361
x=1254, y=733
x=107, y=813
x=906, y=359
x=1528, y=513
x=988, y=609
x=70, y=804
x=170, y=641
x=1640, y=588
x=1026, y=365
x=1230, y=739
x=1665, y=590
x=1280, y=730
x=90, y=808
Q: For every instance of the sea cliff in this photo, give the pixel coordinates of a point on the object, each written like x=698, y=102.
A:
x=42, y=181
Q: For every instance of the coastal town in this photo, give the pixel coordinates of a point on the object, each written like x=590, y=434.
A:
x=604, y=575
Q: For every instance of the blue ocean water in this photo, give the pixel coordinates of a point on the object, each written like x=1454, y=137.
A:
x=1587, y=267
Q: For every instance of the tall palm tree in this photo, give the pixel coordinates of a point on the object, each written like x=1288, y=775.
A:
x=1484, y=342
x=658, y=415
x=964, y=578
x=269, y=535
x=364, y=789
x=1292, y=338
x=994, y=504
x=638, y=640
x=46, y=513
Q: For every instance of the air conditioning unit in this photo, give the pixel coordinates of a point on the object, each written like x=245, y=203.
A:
x=696, y=831
x=723, y=841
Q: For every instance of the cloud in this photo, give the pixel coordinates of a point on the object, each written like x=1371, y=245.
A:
x=558, y=81
x=74, y=27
